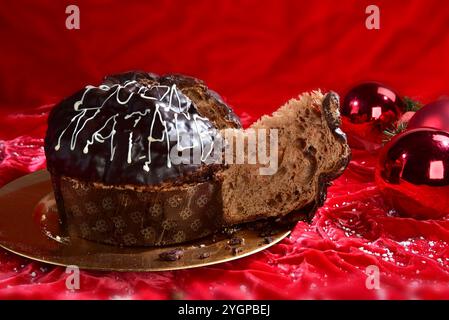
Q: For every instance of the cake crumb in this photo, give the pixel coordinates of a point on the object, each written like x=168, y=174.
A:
x=171, y=255
x=268, y=240
x=234, y=241
x=204, y=255
x=237, y=250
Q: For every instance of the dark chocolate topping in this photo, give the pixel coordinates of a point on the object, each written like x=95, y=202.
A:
x=126, y=130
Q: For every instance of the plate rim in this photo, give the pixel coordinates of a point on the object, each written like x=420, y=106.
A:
x=43, y=175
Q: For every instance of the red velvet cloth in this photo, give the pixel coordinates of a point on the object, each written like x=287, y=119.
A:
x=258, y=54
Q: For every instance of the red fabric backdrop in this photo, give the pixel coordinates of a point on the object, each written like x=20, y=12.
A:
x=257, y=54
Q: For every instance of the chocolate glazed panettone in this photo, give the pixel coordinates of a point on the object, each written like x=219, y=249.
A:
x=107, y=150
x=116, y=180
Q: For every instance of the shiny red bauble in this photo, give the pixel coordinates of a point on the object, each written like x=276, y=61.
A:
x=368, y=109
x=413, y=173
x=433, y=115
x=372, y=101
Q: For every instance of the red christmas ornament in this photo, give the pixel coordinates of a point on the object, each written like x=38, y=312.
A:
x=368, y=109
x=433, y=115
x=413, y=173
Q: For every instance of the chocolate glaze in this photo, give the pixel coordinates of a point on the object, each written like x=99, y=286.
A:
x=101, y=134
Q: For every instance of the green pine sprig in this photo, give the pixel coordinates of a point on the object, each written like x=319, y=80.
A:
x=394, y=130
x=411, y=105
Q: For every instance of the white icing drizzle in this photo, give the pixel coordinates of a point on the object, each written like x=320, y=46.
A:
x=130, y=146
x=179, y=147
x=150, y=92
x=151, y=139
x=98, y=137
x=201, y=134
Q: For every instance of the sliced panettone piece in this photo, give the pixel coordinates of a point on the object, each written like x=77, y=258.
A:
x=312, y=150
x=116, y=180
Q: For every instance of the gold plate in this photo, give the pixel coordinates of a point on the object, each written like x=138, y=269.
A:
x=29, y=227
